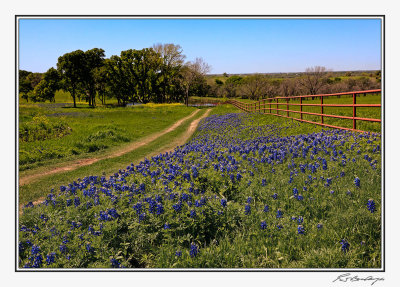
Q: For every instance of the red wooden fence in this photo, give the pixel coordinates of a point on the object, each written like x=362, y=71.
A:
x=266, y=106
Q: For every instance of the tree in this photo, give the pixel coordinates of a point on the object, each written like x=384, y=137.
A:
x=119, y=79
x=100, y=79
x=135, y=75
x=256, y=87
x=231, y=86
x=191, y=74
x=219, y=82
x=71, y=69
x=34, y=79
x=93, y=60
x=313, y=79
x=24, y=85
x=47, y=87
x=289, y=88
x=172, y=62
x=144, y=66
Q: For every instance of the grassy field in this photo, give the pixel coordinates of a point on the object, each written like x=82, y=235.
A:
x=363, y=112
x=247, y=191
x=51, y=133
x=109, y=166
x=65, y=97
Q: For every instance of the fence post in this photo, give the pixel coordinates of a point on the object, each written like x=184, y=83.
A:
x=277, y=112
x=287, y=107
x=259, y=106
x=270, y=105
x=354, y=111
x=322, y=109
x=301, y=108
x=263, y=106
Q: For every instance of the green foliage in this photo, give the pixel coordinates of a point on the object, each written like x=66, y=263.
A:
x=71, y=68
x=230, y=239
x=40, y=129
x=47, y=87
x=86, y=131
x=236, y=80
x=219, y=82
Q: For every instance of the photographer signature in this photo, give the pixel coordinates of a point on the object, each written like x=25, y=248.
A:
x=347, y=277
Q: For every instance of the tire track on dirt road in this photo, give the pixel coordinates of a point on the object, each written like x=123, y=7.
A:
x=182, y=139
x=88, y=161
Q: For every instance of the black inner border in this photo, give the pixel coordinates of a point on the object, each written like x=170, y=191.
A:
x=311, y=17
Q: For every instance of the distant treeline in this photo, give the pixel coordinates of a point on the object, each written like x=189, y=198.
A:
x=315, y=80
x=158, y=74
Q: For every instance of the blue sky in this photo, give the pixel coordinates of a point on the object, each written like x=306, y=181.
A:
x=228, y=45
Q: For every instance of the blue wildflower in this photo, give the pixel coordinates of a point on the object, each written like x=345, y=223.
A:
x=263, y=225
x=35, y=249
x=371, y=205
x=160, y=209
x=279, y=213
x=223, y=202
x=89, y=248
x=77, y=201
x=30, y=204
x=142, y=217
x=300, y=220
x=37, y=263
x=178, y=207
x=266, y=208
x=357, y=182
x=115, y=263
x=263, y=182
x=193, y=250
x=300, y=229
x=63, y=248
x=247, y=209
x=51, y=257
x=295, y=192
x=345, y=245
x=178, y=253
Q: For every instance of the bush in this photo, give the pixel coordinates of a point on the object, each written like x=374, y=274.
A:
x=40, y=128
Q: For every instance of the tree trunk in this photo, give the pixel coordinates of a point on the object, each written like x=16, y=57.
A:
x=73, y=96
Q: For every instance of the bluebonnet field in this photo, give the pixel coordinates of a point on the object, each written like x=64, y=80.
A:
x=248, y=191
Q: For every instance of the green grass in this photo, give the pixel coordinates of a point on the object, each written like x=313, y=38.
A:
x=42, y=186
x=363, y=112
x=87, y=132
x=65, y=97
x=230, y=239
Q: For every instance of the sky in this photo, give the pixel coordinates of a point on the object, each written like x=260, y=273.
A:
x=228, y=45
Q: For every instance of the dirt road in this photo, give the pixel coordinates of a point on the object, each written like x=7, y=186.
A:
x=134, y=145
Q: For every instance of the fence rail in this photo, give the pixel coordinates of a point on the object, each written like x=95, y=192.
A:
x=274, y=107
